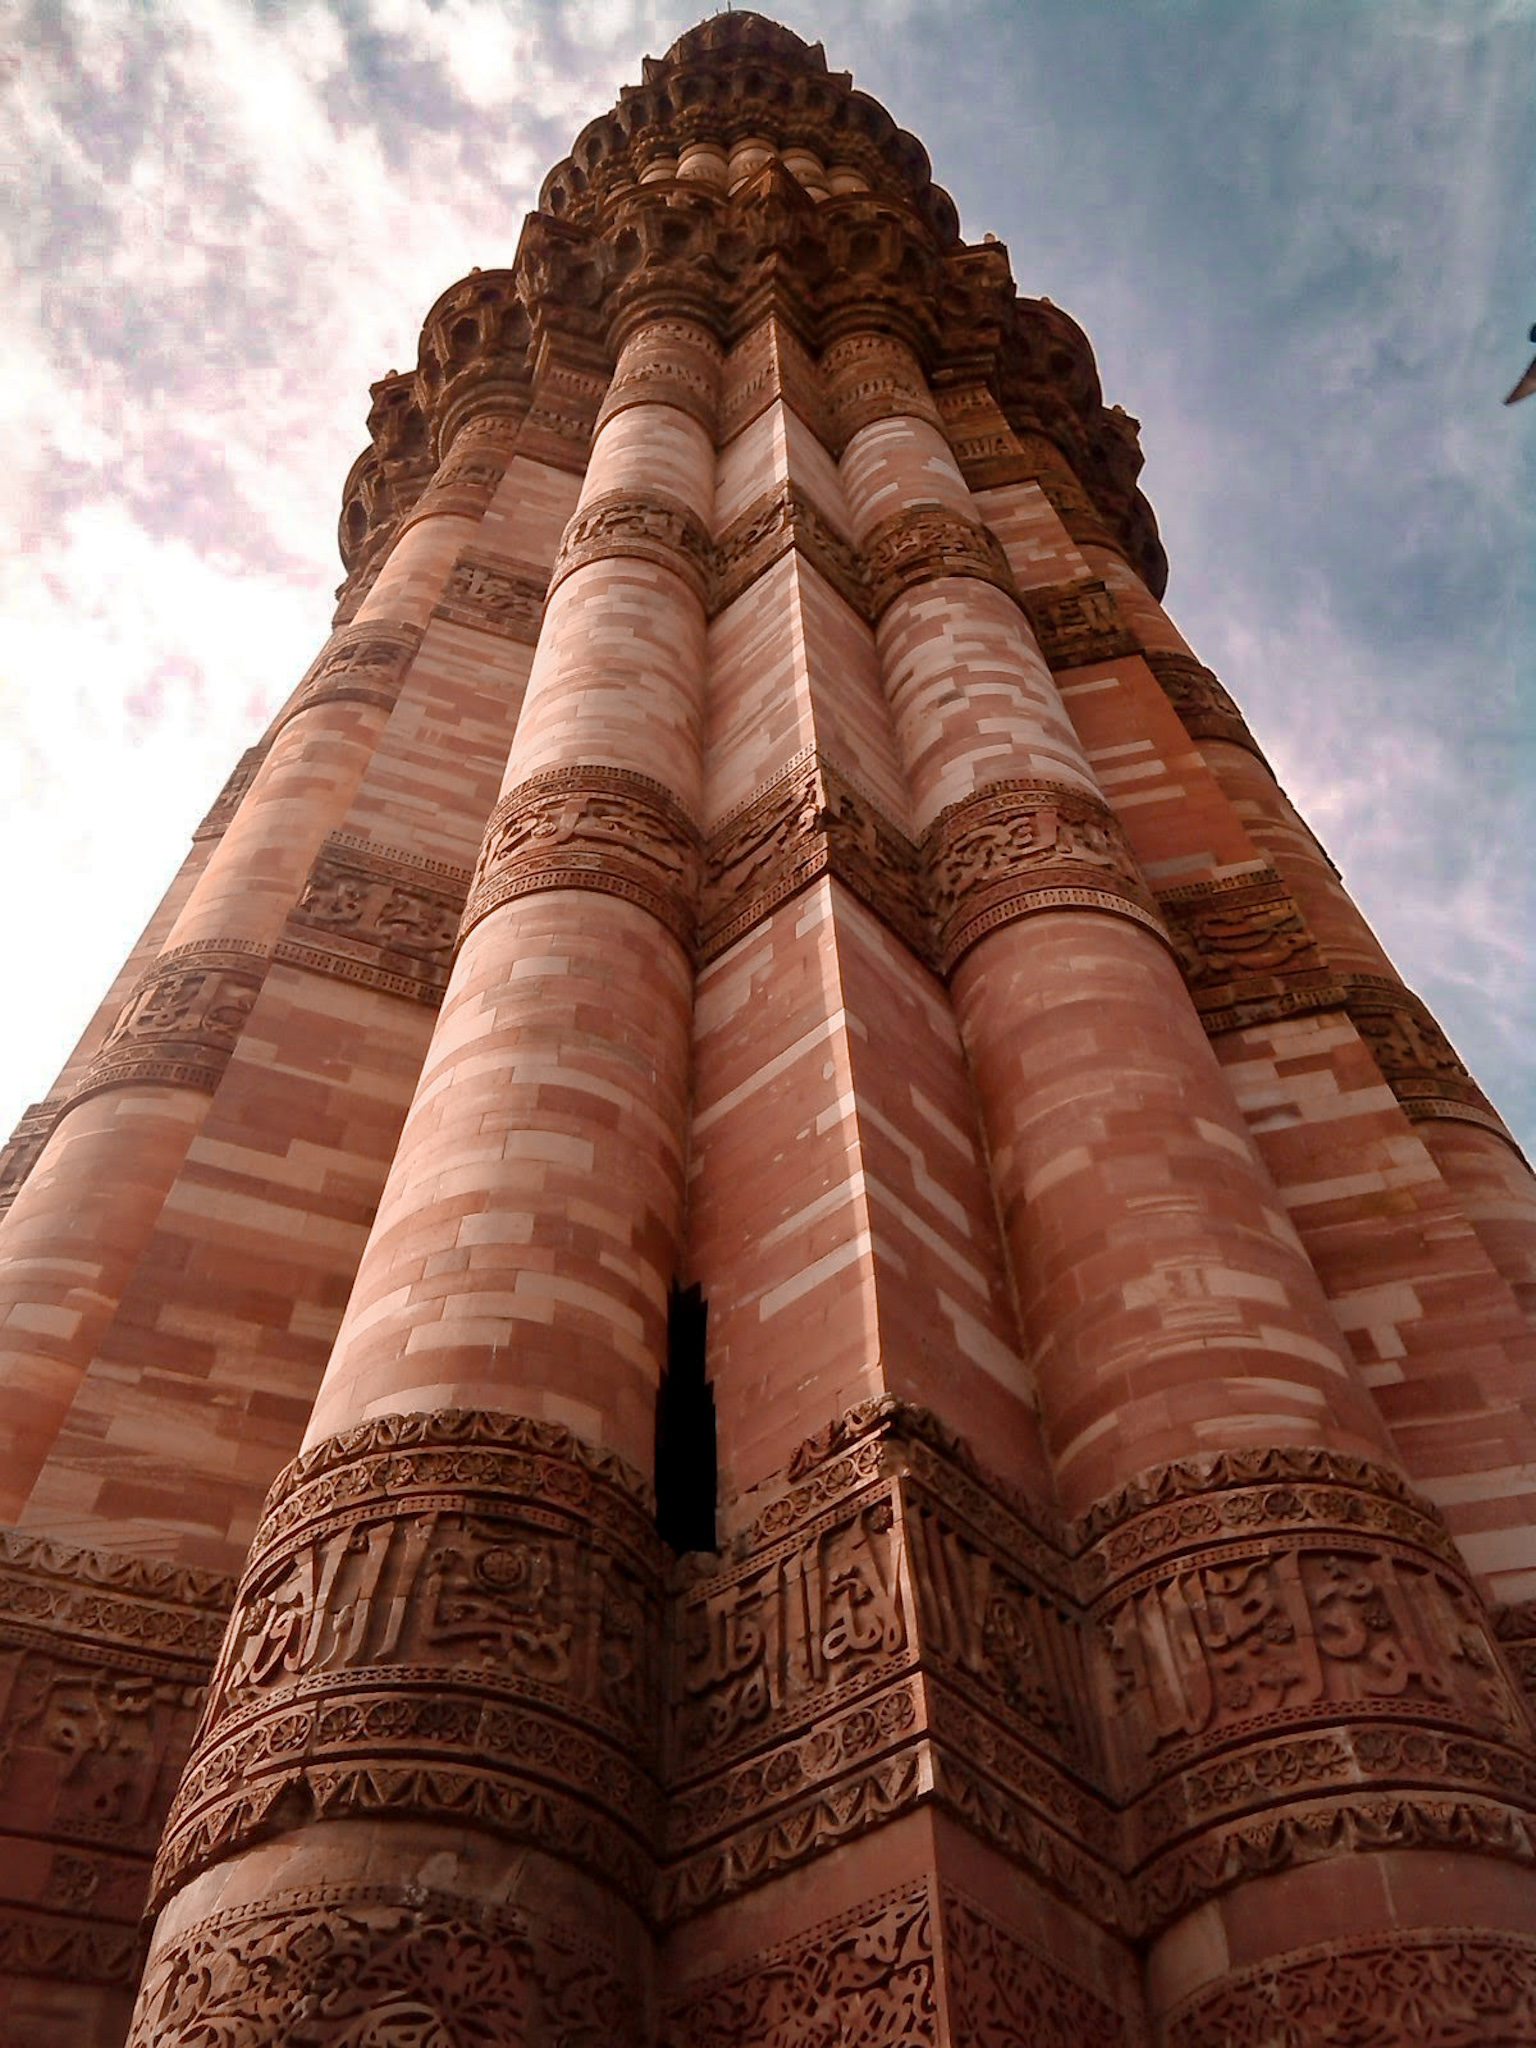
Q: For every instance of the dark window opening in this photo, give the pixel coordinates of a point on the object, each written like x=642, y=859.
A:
x=685, y=1430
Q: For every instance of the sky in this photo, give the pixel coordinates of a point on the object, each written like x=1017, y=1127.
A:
x=1297, y=233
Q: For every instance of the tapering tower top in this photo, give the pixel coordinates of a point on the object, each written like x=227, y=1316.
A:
x=743, y=178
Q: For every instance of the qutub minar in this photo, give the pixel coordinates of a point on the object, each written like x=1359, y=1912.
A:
x=758, y=1322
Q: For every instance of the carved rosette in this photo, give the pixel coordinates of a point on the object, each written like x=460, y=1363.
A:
x=1204, y=708
x=183, y=1020
x=1017, y=847
x=447, y=1616
x=634, y=525
x=1295, y=1662
x=384, y=919
x=604, y=829
x=1244, y=947
x=103, y=1659
x=917, y=546
x=495, y=594
x=361, y=664
x=370, y=1963
x=1417, y=1061
x=808, y=822
x=1077, y=622
x=1453, y=1986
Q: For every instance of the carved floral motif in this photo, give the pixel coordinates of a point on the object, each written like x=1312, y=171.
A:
x=1458, y=1988
x=392, y=1967
x=1003, y=1991
x=867, y=1977
x=590, y=828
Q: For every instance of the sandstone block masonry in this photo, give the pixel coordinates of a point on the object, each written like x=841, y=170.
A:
x=758, y=988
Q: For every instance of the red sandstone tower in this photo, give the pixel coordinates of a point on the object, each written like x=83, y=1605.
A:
x=900, y=1363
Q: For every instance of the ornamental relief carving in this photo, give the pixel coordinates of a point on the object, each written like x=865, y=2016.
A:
x=103, y=1660
x=633, y=525
x=772, y=525
x=1204, y=707
x=916, y=546
x=808, y=822
x=364, y=664
x=183, y=1019
x=224, y=806
x=792, y=1633
x=22, y=1150
x=1015, y=847
x=1416, y=1059
x=1077, y=622
x=591, y=828
x=1455, y=1987
x=1243, y=1641
x=384, y=1965
x=495, y=594
x=1004, y=1991
x=376, y=917
x=1241, y=940
x=453, y=1617
x=868, y=1976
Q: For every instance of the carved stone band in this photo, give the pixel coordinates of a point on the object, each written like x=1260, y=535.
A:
x=809, y=821
x=1242, y=941
x=448, y=1616
x=1417, y=1061
x=450, y=1968
x=1077, y=622
x=591, y=828
x=782, y=519
x=1237, y=1664
x=917, y=546
x=1405, y=1989
x=1204, y=708
x=872, y=377
x=364, y=664
x=374, y=916
x=183, y=1019
x=1014, y=848
x=495, y=594
x=667, y=362
x=635, y=525
x=102, y=1663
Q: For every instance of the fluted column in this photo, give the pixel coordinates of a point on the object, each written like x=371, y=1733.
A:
x=1163, y=1292
x=92, y=1199
x=467, y=1709
x=1281, y=1614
